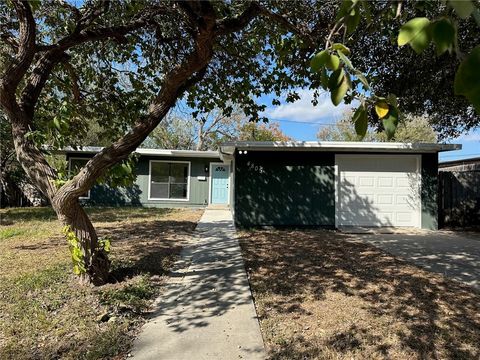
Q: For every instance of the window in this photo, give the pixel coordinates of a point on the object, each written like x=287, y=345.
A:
x=74, y=165
x=169, y=180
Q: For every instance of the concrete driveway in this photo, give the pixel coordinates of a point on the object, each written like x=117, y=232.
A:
x=454, y=254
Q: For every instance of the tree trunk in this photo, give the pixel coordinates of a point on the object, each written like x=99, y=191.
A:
x=200, y=137
x=95, y=259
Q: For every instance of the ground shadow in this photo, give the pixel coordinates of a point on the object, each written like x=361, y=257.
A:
x=146, y=246
x=435, y=317
x=97, y=214
x=212, y=278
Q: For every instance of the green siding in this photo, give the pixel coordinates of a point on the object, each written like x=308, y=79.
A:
x=284, y=189
x=137, y=195
x=429, y=191
x=198, y=195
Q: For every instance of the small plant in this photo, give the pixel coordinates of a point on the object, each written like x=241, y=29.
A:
x=104, y=244
x=75, y=250
x=78, y=257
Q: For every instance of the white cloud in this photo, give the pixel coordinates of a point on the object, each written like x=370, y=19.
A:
x=303, y=110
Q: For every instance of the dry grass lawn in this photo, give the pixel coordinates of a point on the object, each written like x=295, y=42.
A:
x=323, y=295
x=46, y=314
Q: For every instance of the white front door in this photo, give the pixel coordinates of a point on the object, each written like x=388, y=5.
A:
x=378, y=190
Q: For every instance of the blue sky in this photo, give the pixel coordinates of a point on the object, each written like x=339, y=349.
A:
x=301, y=121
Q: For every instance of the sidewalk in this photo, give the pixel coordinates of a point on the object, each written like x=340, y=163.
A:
x=206, y=311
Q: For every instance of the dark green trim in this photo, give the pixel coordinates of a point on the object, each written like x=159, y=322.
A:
x=429, y=191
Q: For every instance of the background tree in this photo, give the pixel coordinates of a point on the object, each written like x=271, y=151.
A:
x=207, y=133
x=174, y=132
x=411, y=129
x=261, y=132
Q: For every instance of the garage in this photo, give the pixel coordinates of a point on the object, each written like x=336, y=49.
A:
x=334, y=184
x=378, y=190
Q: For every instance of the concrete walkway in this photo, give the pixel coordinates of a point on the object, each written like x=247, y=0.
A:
x=453, y=254
x=206, y=311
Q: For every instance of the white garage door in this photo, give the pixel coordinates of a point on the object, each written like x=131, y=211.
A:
x=378, y=190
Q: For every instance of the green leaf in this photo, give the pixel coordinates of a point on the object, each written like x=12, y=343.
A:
x=324, y=79
x=345, y=60
x=339, y=92
x=463, y=8
x=415, y=32
x=76, y=270
x=336, y=79
x=444, y=34
x=467, y=78
x=390, y=122
x=352, y=20
x=319, y=60
x=360, y=121
x=342, y=48
x=392, y=99
x=56, y=123
x=362, y=79
x=333, y=62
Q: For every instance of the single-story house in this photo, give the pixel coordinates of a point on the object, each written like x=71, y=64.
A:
x=470, y=164
x=320, y=184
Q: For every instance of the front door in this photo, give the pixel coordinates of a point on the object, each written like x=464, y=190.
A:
x=220, y=182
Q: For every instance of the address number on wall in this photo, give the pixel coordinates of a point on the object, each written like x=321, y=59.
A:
x=257, y=168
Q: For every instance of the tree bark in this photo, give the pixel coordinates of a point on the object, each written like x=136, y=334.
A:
x=95, y=258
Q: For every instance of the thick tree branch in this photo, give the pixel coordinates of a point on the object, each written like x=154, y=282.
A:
x=74, y=80
x=230, y=25
x=181, y=77
x=13, y=73
x=55, y=53
x=283, y=22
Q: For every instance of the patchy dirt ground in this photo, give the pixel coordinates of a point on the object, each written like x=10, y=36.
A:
x=45, y=313
x=323, y=295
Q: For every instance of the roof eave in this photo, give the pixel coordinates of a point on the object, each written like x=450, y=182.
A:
x=145, y=152
x=230, y=147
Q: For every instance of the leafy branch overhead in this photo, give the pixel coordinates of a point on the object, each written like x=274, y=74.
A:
x=339, y=76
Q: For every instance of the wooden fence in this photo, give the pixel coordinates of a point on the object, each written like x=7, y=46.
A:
x=459, y=198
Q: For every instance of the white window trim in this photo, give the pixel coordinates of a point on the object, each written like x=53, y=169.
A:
x=210, y=183
x=168, y=161
x=69, y=171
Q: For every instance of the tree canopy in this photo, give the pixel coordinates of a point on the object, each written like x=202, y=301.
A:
x=422, y=81
x=411, y=129
x=183, y=132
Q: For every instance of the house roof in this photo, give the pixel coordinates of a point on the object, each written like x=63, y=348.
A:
x=473, y=160
x=228, y=148
x=144, y=151
x=469, y=164
x=337, y=146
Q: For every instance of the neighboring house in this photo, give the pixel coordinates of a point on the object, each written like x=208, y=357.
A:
x=471, y=164
x=459, y=190
x=327, y=184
